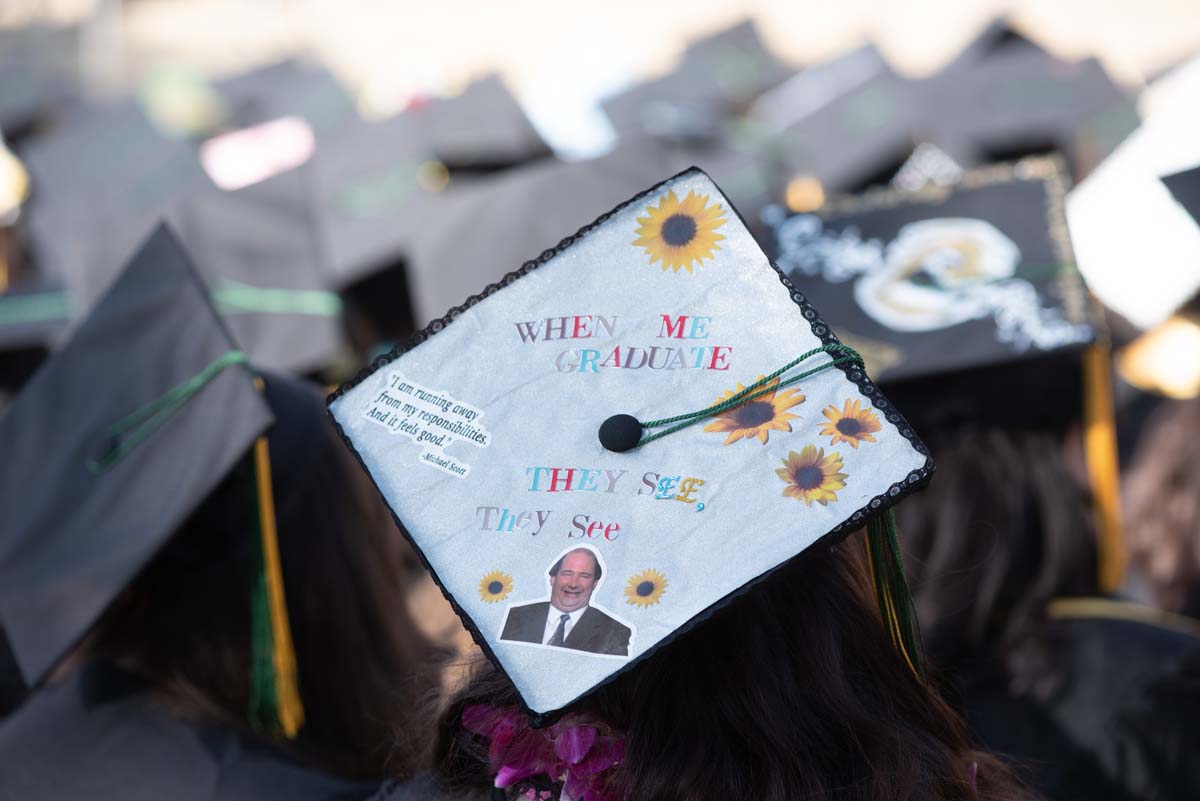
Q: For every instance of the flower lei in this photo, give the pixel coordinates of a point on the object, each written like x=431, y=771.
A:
x=572, y=754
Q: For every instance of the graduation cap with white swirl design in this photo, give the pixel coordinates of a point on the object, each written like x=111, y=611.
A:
x=624, y=434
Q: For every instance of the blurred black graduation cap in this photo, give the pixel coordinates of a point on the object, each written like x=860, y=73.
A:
x=997, y=37
x=33, y=317
x=471, y=236
x=259, y=248
x=717, y=76
x=287, y=88
x=848, y=124
x=1185, y=187
x=372, y=176
x=38, y=69
x=1022, y=101
x=106, y=423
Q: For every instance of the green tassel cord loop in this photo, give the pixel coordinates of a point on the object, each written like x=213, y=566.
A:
x=136, y=427
x=842, y=355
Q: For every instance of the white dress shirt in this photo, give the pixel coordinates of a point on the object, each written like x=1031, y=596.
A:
x=554, y=616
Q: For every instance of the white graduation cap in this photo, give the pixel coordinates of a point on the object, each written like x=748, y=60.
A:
x=599, y=450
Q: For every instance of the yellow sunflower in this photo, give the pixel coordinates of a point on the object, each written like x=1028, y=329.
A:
x=851, y=425
x=645, y=588
x=680, y=234
x=759, y=416
x=495, y=586
x=812, y=476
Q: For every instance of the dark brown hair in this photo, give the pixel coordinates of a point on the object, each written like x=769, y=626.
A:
x=1162, y=506
x=185, y=622
x=1003, y=529
x=791, y=691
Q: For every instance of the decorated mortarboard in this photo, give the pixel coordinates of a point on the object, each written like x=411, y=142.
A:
x=605, y=446
x=373, y=176
x=964, y=298
x=984, y=264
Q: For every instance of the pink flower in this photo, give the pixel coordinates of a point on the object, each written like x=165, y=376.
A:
x=571, y=751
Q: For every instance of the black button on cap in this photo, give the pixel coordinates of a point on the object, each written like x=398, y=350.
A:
x=620, y=433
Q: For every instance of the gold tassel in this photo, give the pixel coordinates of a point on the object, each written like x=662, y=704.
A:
x=1100, y=451
x=287, y=688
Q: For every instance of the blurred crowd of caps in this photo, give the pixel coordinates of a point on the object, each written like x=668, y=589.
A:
x=324, y=237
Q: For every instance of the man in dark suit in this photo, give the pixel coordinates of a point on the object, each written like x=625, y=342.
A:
x=567, y=620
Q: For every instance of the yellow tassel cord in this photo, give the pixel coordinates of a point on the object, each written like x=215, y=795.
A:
x=1100, y=450
x=3, y=267
x=289, y=709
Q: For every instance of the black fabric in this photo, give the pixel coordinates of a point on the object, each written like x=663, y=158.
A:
x=370, y=182
x=1185, y=186
x=1122, y=723
x=38, y=65
x=74, y=536
x=101, y=734
x=717, y=77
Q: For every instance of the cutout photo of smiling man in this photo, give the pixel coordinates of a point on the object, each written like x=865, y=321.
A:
x=568, y=620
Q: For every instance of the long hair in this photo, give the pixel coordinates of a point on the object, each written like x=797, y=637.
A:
x=791, y=691
x=364, y=667
x=1162, y=507
x=1002, y=530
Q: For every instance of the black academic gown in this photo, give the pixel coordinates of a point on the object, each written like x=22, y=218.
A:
x=1125, y=723
x=100, y=735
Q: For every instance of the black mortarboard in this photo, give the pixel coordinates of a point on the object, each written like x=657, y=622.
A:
x=1185, y=187
x=512, y=437
x=998, y=37
x=474, y=235
x=259, y=248
x=1025, y=102
x=38, y=69
x=99, y=169
x=717, y=76
x=846, y=124
x=262, y=255
x=33, y=316
x=105, y=455
x=372, y=177
x=285, y=89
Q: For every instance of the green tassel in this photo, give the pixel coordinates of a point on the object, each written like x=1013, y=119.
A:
x=892, y=592
x=263, y=713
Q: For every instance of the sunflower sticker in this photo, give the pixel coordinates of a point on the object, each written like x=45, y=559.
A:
x=851, y=425
x=646, y=588
x=812, y=476
x=495, y=587
x=680, y=234
x=759, y=416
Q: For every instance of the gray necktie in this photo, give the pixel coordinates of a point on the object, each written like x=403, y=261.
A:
x=560, y=633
